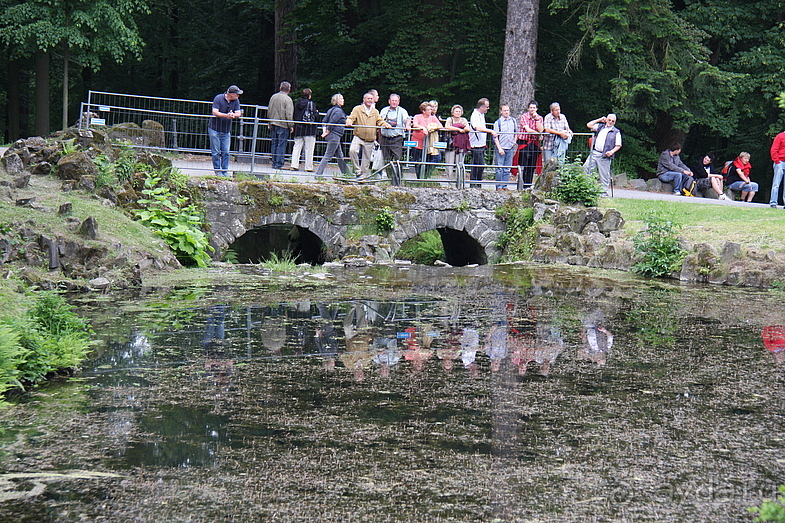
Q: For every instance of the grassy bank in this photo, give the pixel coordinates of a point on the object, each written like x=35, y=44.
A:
x=761, y=227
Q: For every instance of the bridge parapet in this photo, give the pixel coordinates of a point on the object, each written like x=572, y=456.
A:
x=464, y=217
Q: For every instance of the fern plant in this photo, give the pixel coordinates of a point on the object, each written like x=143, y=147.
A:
x=424, y=249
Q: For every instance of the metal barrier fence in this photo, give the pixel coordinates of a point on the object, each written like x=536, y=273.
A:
x=179, y=127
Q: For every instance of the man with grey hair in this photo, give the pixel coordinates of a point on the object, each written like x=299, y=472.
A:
x=605, y=143
x=280, y=112
x=392, y=138
x=557, y=134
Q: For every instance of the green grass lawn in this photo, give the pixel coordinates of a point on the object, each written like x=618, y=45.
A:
x=715, y=224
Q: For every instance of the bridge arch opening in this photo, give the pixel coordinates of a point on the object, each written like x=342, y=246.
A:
x=459, y=247
x=260, y=243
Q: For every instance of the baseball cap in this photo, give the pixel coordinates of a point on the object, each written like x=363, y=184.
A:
x=234, y=89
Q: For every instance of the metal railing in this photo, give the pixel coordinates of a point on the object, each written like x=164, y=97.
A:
x=179, y=126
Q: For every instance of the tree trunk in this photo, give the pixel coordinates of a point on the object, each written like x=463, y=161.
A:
x=66, y=57
x=14, y=99
x=520, y=54
x=285, y=45
x=42, y=93
x=664, y=135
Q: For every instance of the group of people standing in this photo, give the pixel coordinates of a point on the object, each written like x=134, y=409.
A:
x=516, y=142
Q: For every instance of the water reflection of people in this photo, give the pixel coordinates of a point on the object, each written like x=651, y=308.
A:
x=415, y=351
x=598, y=341
x=496, y=345
x=358, y=338
x=470, y=342
x=451, y=350
x=548, y=347
x=387, y=354
x=218, y=362
x=774, y=341
x=273, y=331
x=521, y=351
x=324, y=336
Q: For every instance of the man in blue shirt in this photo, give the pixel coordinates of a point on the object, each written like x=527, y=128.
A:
x=226, y=107
x=505, y=140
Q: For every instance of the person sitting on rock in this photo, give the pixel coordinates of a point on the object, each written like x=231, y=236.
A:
x=706, y=177
x=739, y=177
x=670, y=169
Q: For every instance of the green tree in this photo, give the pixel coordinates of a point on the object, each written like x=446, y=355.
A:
x=84, y=32
x=663, y=78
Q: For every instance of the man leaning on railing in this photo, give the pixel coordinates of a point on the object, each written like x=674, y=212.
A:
x=226, y=107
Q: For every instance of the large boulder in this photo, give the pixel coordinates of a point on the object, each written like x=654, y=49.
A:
x=75, y=165
x=154, y=133
x=13, y=163
x=549, y=177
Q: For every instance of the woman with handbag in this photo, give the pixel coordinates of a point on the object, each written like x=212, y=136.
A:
x=458, y=126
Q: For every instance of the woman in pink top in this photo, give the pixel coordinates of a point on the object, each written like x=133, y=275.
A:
x=425, y=124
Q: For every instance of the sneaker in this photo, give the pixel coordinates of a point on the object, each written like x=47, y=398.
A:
x=723, y=197
x=773, y=205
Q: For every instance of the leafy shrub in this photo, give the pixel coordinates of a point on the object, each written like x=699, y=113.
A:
x=771, y=510
x=50, y=337
x=659, y=247
x=424, y=249
x=516, y=240
x=385, y=220
x=174, y=220
x=575, y=186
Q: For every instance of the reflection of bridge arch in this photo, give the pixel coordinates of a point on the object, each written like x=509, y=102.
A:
x=467, y=238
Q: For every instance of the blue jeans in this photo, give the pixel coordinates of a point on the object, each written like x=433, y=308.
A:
x=559, y=150
x=779, y=170
x=674, y=177
x=744, y=186
x=503, y=173
x=219, y=148
x=279, y=136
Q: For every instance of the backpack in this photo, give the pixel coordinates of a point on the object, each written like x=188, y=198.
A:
x=726, y=170
x=689, y=190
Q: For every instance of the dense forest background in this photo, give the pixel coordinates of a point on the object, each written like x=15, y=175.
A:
x=703, y=72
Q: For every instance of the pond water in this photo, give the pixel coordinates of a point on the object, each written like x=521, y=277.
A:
x=507, y=393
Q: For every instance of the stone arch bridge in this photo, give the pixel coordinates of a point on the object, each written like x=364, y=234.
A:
x=328, y=221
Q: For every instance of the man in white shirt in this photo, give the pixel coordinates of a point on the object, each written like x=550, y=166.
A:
x=606, y=142
x=478, y=140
